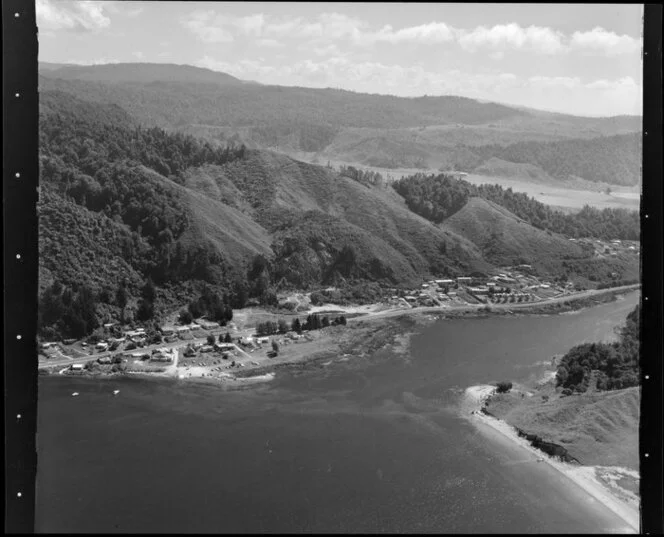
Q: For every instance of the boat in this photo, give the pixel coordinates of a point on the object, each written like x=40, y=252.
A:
x=74, y=394
x=115, y=392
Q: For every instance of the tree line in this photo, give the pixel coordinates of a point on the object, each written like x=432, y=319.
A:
x=437, y=197
x=616, y=365
x=312, y=322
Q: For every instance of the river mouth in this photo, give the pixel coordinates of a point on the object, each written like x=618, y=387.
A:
x=371, y=444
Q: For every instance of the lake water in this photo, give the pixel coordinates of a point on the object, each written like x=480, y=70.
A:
x=367, y=445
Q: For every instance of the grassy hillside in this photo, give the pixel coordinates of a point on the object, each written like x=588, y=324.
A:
x=601, y=428
x=505, y=239
x=320, y=212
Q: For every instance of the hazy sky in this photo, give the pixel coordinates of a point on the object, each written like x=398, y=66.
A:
x=580, y=59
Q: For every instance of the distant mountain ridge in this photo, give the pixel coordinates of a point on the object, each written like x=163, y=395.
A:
x=140, y=73
x=383, y=131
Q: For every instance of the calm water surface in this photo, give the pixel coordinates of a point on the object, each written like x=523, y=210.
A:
x=368, y=445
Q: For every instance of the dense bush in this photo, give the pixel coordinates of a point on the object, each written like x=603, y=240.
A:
x=616, y=365
x=212, y=305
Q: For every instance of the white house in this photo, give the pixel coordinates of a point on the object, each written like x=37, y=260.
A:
x=479, y=290
x=208, y=325
x=138, y=333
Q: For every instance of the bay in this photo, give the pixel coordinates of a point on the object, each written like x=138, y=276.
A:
x=371, y=444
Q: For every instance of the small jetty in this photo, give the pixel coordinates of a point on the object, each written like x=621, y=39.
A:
x=74, y=394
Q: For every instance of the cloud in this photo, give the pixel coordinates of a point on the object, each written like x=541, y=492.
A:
x=96, y=61
x=334, y=28
x=599, y=40
x=128, y=9
x=512, y=36
x=250, y=25
x=202, y=23
x=134, y=12
x=270, y=43
x=434, y=32
x=80, y=16
x=327, y=50
x=243, y=68
x=366, y=76
x=324, y=26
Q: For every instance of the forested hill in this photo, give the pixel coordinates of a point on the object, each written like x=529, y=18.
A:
x=134, y=220
x=438, y=197
x=608, y=159
x=165, y=102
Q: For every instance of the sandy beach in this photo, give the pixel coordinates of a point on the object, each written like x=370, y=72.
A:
x=597, y=481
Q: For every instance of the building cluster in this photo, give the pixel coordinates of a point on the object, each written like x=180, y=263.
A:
x=514, y=284
x=613, y=248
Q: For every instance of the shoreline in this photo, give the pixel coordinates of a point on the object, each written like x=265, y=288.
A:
x=584, y=477
x=265, y=371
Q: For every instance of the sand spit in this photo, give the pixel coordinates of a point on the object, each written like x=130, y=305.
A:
x=597, y=481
